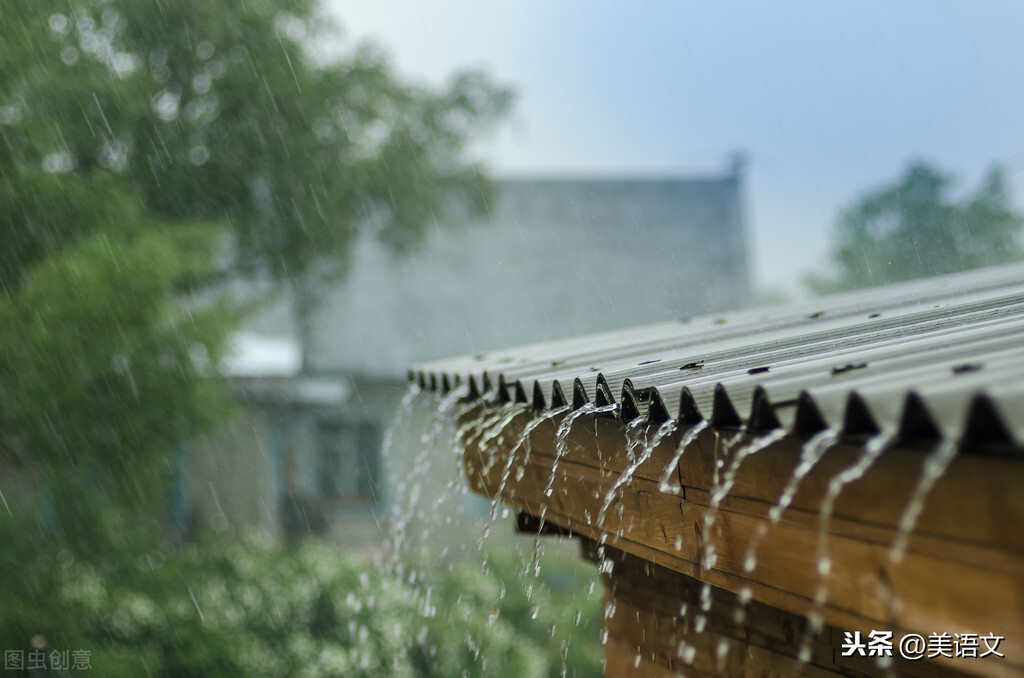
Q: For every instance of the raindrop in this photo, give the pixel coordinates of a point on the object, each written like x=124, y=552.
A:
x=69, y=55
x=721, y=652
x=562, y=438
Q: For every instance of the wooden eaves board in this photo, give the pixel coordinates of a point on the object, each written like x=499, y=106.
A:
x=963, y=570
x=923, y=366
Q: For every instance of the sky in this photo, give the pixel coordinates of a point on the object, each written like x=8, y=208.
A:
x=827, y=99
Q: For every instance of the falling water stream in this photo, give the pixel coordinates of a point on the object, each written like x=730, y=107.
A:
x=490, y=429
x=451, y=424
x=410, y=488
x=521, y=441
x=723, y=484
x=562, y=437
x=811, y=453
x=487, y=431
x=404, y=410
x=561, y=450
x=872, y=451
x=672, y=468
x=636, y=461
x=935, y=467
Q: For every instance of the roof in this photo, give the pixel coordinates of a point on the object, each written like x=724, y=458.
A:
x=650, y=246
x=922, y=362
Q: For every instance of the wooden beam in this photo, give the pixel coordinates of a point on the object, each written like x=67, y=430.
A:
x=963, y=570
x=648, y=636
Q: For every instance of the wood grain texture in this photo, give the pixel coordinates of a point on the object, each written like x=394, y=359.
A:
x=963, y=570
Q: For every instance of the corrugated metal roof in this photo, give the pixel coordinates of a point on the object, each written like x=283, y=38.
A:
x=925, y=361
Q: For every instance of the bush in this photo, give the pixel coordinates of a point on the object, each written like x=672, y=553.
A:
x=250, y=609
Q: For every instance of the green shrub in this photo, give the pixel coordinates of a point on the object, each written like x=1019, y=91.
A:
x=244, y=608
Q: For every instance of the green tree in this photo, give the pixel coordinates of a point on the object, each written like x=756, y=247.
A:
x=98, y=376
x=915, y=228
x=241, y=121
x=139, y=143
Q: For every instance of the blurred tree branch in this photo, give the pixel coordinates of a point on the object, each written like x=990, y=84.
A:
x=914, y=228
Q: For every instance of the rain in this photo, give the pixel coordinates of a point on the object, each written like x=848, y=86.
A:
x=516, y=339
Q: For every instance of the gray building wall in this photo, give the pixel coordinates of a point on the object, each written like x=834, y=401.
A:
x=557, y=258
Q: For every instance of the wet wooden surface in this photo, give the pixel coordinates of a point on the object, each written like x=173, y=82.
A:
x=963, y=571
x=649, y=637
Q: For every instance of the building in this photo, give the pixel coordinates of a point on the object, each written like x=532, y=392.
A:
x=557, y=257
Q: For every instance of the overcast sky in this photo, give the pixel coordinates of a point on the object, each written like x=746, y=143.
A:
x=828, y=99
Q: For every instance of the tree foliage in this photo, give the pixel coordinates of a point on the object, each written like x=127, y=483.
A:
x=248, y=609
x=148, y=149
x=915, y=228
x=223, y=112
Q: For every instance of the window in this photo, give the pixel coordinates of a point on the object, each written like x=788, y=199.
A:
x=349, y=462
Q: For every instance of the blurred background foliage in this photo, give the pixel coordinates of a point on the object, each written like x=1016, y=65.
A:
x=915, y=227
x=245, y=608
x=150, y=152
